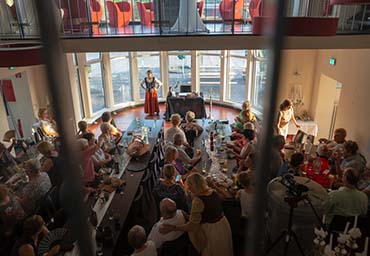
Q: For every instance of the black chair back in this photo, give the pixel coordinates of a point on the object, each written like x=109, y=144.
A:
x=178, y=247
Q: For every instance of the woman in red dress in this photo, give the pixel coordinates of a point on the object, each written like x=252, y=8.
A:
x=151, y=98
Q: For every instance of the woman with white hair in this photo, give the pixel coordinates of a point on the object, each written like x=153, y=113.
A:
x=208, y=228
x=39, y=184
x=170, y=133
x=106, y=140
x=191, y=128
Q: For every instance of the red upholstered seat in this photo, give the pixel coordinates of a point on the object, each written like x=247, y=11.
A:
x=200, y=7
x=119, y=13
x=226, y=10
x=146, y=13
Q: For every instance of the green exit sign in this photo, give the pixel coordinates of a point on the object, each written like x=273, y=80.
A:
x=332, y=61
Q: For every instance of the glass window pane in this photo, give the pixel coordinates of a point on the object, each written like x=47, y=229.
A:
x=92, y=56
x=241, y=53
x=96, y=86
x=179, y=70
x=209, y=75
x=121, y=80
x=118, y=54
x=146, y=62
x=78, y=84
x=259, y=84
x=237, y=80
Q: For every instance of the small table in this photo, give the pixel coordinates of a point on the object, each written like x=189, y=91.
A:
x=309, y=127
x=181, y=105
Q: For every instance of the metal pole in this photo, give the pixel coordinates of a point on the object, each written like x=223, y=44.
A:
x=72, y=188
x=254, y=246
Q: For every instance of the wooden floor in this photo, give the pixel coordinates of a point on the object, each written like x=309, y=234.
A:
x=125, y=117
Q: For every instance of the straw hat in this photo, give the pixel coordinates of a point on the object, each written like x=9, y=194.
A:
x=137, y=148
x=9, y=135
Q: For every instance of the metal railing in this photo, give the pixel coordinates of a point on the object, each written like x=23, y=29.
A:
x=96, y=18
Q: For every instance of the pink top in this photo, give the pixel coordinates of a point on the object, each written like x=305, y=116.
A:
x=88, y=163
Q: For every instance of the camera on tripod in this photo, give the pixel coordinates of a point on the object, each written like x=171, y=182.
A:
x=294, y=189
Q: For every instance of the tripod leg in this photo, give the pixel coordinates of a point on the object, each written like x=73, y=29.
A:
x=294, y=235
x=277, y=240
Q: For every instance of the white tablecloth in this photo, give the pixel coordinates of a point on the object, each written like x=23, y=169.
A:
x=188, y=19
x=309, y=127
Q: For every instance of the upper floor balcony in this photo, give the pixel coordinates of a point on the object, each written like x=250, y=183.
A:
x=133, y=18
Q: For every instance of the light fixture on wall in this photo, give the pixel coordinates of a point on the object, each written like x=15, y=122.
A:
x=296, y=92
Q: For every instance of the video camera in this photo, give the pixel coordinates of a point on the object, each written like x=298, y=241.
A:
x=293, y=188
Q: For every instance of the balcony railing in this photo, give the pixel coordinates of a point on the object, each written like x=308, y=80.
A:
x=99, y=18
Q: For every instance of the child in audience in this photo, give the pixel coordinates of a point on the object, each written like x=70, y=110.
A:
x=246, y=194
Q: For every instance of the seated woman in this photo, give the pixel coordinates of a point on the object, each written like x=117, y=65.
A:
x=33, y=228
x=248, y=148
x=82, y=129
x=100, y=158
x=347, y=201
x=106, y=141
x=47, y=124
x=318, y=169
x=183, y=157
x=239, y=141
x=87, y=162
x=246, y=115
x=11, y=211
x=246, y=194
x=191, y=128
x=6, y=162
x=50, y=162
x=168, y=187
x=106, y=117
x=39, y=184
x=208, y=228
x=294, y=166
x=249, y=164
x=170, y=133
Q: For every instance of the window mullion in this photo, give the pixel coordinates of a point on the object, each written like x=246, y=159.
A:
x=163, y=59
x=195, y=86
x=107, y=80
x=134, y=69
x=223, y=74
x=85, y=87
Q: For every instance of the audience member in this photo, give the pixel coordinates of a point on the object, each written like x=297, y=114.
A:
x=100, y=158
x=208, y=228
x=191, y=128
x=246, y=115
x=87, y=160
x=245, y=195
x=33, y=228
x=182, y=155
x=350, y=158
x=347, y=201
x=82, y=129
x=50, y=162
x=11, y=211
x=170, y=133
x=294, y=166
x=47, y=124
x=114, y=131
x=167, y=187
x=277, y=157
x=169, y=215
x=7, y=161
x=339, y=139
x=106, y=141
x=249, y=164
x=39, y=184
x=137, y=239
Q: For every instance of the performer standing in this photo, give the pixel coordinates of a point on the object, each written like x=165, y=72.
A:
x=151, y=98
x=286, y=114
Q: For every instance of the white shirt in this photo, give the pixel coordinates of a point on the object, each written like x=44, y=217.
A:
x=170, y=133
x=246, y=203
x=150, y=250
x=159, y=238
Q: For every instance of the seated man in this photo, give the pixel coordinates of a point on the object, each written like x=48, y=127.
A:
x=294, y=166
x=137, y=239
x=351, y=158
x=347, y=201
x=169, y=215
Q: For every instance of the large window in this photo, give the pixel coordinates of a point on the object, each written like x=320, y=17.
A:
x=121, y=77
x=179, y=68
x=210, y=73
x=237, y=76
x=95, y=79
x=149, y=61
x=260, y=73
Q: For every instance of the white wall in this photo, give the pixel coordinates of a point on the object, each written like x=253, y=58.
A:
x=352, y=70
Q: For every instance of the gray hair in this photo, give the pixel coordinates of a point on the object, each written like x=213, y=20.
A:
x=177, y=139
x=136, y=237
x=33, y=165
x=82, y=144
x=168, y=208
x=170, y=150
x=105, y=127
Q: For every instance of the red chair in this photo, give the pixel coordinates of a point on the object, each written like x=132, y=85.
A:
x=119, y=13
x=96, y=11
x=254, y=9
x=226, y=10
x=75, y=13
x=146, y=13
x=200, y=7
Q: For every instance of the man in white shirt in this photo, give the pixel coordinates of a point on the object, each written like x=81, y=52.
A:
x=170, y=133
x=170, y=215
